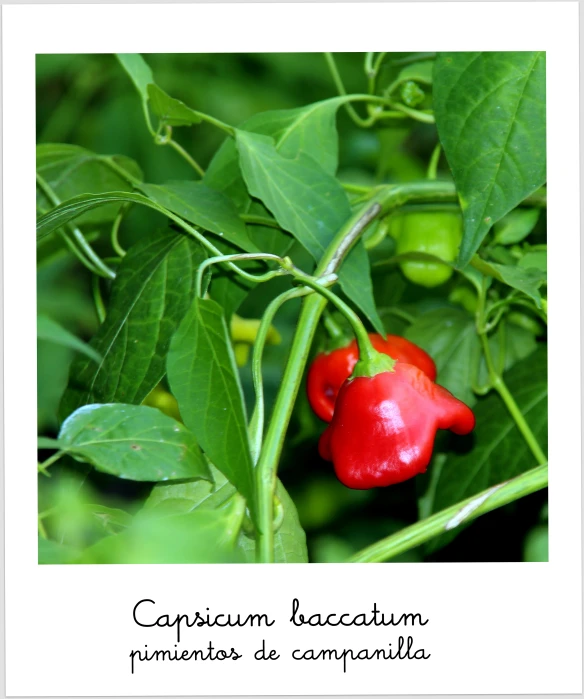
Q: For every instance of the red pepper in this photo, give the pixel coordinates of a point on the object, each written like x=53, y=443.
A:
x=329, y=370
x=383, y=427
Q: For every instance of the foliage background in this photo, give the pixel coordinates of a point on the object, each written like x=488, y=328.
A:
x=87, y=100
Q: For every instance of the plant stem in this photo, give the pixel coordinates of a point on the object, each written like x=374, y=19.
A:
x=256, y=425
x=385, y=199
x=88, y=251
x=242, y=256
x=433, y=164
x=119, y=250
x=259, y=220
x=51, y=460
x=450, y=518
x=98, y=299
x=187, y=156
x=499, y=385
x=364, y=123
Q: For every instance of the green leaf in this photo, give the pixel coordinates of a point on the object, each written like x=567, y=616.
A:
x=309, y=130
x=200, y=536
x=187, y=496
x=355, y=281
x=449, y=336
x=499, y=451
x=181, y=498
x=528, y=280
x=134, y=442
x=150, y=295
x=516, y=226
x=170, y=110
x=139, y=72
x=204, y=379
x=310, y=204
x=52, y=553
x=204, y=207
x=289, y=540
x=70, y=171
x=490, y=115
x=48, y=329
x=534, y=259
x=304, y=199
x=77, y=206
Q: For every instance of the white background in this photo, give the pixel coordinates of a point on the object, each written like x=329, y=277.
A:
x=494, y=628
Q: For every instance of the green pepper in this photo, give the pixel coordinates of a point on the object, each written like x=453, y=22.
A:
x=436, y=233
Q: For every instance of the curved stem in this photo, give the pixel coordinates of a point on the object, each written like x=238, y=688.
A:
x=450, y=518
x=242, y=273
x=187, y=156
x=98, y=299
x=119, y=250
x=366, y=351
x=259, y=220
x=424, y=117
x=499, y=385
x=256, y=425
x=364, y=123
x=88, y=251
x=433, y=164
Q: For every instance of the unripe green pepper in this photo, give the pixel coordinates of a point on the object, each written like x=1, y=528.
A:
x=435, y=233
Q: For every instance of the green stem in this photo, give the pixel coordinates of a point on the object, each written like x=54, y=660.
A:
x=424, y=117
x=433, y=164
x=98, y=299
x=499, y=385
x=450, y=518
x=119, y=250
x=242, y=256
x=364, y=123
x=256, y=425
x=259, y=220
x=51, y=460
x=366, y=351
x=385, y=199
x=190, y=160
x=85, y=247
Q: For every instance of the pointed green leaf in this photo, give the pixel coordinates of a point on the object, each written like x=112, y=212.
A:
x=449, y=336
x=134, y=442
x=304, y=199
x=204, y=379
x=523, y=278
x=70, y=171
x=150, y=295
x=490, y=114
x=139, y=72
x=204, y=207
x=74, y=208
x=309, y=130
x=200, y=536
x=170, y=110
x=48, y=329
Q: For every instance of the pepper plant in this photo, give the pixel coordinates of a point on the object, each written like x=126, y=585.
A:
x=370, y=226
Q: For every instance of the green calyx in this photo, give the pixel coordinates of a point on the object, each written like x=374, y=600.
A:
x=373, y=363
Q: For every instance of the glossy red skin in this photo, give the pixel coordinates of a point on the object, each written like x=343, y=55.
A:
x=383, y=427
x=329, y=371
